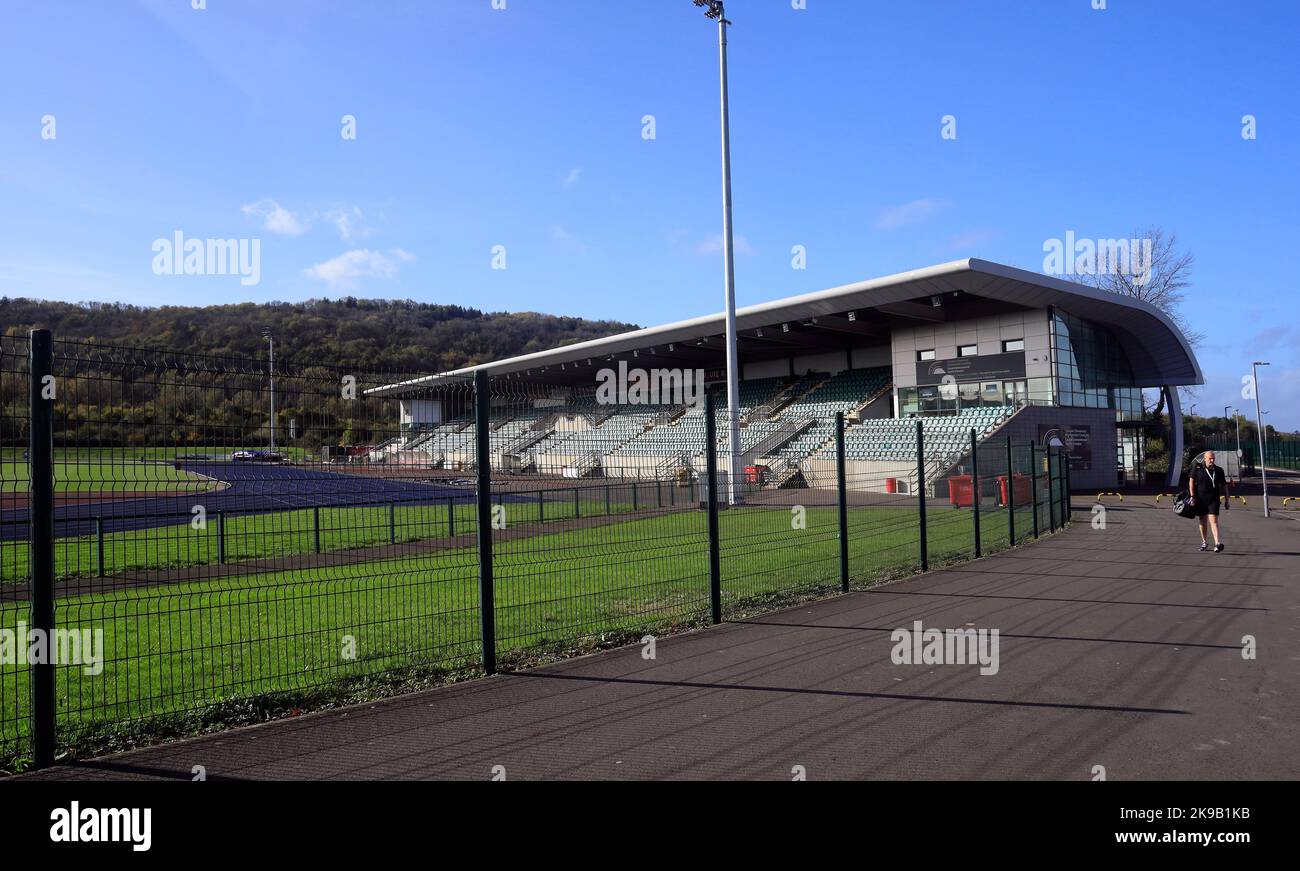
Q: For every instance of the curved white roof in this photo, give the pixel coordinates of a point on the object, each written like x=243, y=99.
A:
x=1156, y=348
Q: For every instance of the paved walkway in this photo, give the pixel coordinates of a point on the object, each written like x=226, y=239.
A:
x=1119, y=648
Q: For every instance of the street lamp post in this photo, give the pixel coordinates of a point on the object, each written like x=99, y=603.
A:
x=270, y=338
x=1236, y=418
x=714, y=9
x=1226, y=409
x=1259, y=424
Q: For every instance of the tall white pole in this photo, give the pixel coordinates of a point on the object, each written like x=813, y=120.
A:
x=1236, y=417
x=728, y=266
x=1259, y=424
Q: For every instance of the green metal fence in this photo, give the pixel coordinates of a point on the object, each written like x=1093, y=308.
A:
x=215, y=582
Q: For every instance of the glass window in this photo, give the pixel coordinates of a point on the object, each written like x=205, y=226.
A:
x=967, y=351
x=1013, y=345
x=1090, y=366
x=922, y=356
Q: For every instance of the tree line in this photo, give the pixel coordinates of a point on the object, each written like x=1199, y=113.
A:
x=119, y=403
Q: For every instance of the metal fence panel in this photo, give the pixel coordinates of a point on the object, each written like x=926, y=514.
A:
x=15, y=686
x=228, y=560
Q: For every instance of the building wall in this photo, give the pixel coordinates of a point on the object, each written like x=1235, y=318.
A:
x=830, y=361
x=765, y=369
x=1024, y=427
x=869, y=358
x=421, y=411
x=987, y=333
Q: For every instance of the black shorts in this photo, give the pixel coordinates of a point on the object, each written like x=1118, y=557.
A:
x=1203, y=508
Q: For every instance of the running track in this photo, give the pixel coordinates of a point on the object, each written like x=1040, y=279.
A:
x=253, y=488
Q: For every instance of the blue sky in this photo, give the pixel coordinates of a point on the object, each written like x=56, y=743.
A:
x=522, y=127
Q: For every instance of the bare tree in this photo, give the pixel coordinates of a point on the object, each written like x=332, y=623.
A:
x=1161, y=284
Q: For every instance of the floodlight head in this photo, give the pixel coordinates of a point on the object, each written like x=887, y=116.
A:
x=712, y=8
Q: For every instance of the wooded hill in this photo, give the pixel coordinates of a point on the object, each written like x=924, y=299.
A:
x=387, y=335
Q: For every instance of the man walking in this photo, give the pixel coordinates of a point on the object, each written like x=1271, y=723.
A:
x=1207, y=485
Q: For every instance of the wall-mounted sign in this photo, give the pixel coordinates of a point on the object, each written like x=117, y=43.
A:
x=1006, y=367
x=1076, y=439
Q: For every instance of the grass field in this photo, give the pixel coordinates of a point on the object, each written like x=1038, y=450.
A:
x=104, y=476
x=179, y=647
x=111, y=470
x=279, y=534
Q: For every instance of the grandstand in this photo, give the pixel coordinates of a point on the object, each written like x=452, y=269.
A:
x=964, y=346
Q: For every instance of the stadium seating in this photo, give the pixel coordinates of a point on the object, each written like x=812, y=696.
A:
x=895, y=439
x=636, y=437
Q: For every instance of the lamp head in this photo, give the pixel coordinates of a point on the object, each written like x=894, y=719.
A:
x=712, y=8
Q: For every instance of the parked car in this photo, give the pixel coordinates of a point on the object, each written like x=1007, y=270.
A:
x=259, y=456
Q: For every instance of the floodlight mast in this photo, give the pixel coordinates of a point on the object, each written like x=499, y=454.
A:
x=714, y=9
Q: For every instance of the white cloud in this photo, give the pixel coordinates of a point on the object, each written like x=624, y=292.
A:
x=343, y=272
x=567, y=239
x=908, y=213
x=971, y=239
x=275, y=218
x=572, y=178
x=713, y=245
x=350, y=223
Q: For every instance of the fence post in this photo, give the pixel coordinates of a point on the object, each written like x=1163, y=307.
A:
x=99, y=546
x=975, y=491
x=451, y=516
x=842, y=485
x=634, y=500
x=392, y=523
x=1011, y=495
x=221, y=538
x=315, y=527
x=541, y=507
x=1060, y=490
x=1065, y=491
x=577, y=507
x=920, y=493
x=40, y=453
x=482, y=452
x=1033, y=484
x=711, y=470
x=1051, y=500
x=607, y=511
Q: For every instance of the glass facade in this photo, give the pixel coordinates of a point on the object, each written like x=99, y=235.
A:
x=1090, y=368
x=954, y=398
